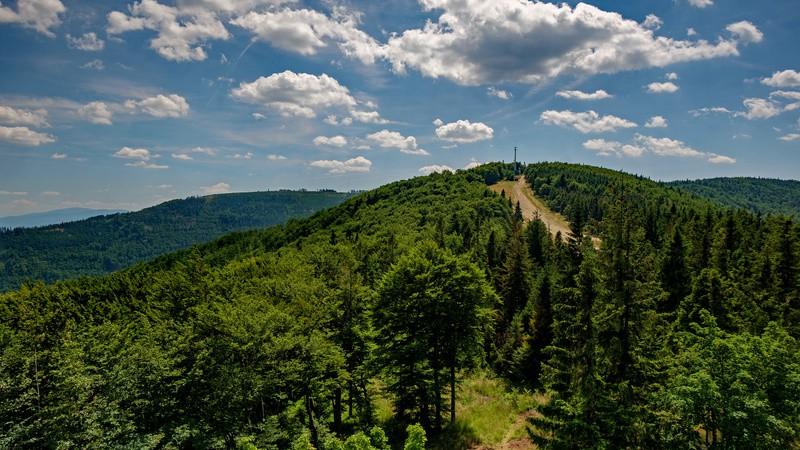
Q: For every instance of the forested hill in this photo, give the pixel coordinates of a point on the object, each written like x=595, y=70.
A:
x=760, y=195
x=103, y=244
x=343, y=329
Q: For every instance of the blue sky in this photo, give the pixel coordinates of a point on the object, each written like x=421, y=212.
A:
x=127, y=104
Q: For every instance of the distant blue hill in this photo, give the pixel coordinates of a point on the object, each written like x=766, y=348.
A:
x=53, y=217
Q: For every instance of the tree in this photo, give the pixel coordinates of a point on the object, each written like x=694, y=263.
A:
x=416, y=439
x=431, y=315
x=675, y=278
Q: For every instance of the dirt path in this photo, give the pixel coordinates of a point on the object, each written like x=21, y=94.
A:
x=520, y=191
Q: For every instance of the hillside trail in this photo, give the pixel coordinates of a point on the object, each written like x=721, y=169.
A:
x=520, y=191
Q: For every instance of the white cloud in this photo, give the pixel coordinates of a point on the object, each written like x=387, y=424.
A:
x=701, y=3
x=786, y=78
x=435, y=168
x=671, y=76
x=299, y=94
x=791, y=137
x=393, y=139
x=275, y=157
x=219, y=188
x=759, y=108
x=473, y=163
x=667, y=146
x=33, y=118
x=182, y=156
x=306, y=32
x=248, y=155
x=652, y=22
x=333, y=141
x=691, y=32
x=464, y=131
x=359, y=164
x=204, y=150
x=745, y=32
x=14, y=193
x=182, y=33
x=607, y=148
x=656, y=122
x=50, y=193
x=58, y=156
x=146, y=165
x=477, y=42
x=438, y=122
x=365, y=117
x=160, y=106
x=586, y=96
x=661, y=88
x=142, y=154
x=40, y=15
x=720, y=159
x=499, y=93
x=24, y=136
x=98, y=113
x=585, y=122
x=713, y=110
x=94, y=64
x=89, y=42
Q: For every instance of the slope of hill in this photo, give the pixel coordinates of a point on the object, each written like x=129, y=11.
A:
x=680, y=330
x=760, y=195
x=53, y=217
x=107, y=243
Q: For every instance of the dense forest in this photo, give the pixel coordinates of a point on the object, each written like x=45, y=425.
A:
x=660, y=321
x=103, y=244
x=759, y=195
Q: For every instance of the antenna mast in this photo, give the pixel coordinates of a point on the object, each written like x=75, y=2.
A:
x=516, y=168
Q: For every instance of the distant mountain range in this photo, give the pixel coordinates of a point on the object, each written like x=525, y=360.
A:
x=53, y=217
x=759, y=195
x=106, y=243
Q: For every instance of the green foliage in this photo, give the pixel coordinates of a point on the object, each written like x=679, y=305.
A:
x=103, y=244
x=416, y=439
x=759, y=195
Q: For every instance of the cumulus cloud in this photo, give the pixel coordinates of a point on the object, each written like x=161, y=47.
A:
x=333, y=141
x=712, y=110
x=40, y=15
x=585, y=122
x=57, y=155
x=97, y=113
x=24, y=136
x=656, y=122
x=142, y=154
x=745, y=32
x=306, y=32
x=701, y=3
x=783, y=79
x=499, y=93
x=435, y=168
x=181, y=32
x=586, y=96
x=607, y=148
x=146, y=165
x=293, y=94
x=652, y=22
x=14, y=116
x=275, y=157
x=657, y=146
x=791, y=137
x=759, y=108
x=219, y=188
x=365, y=117
x=160, y=106
x=359, y=164
x=182, y=156
x=248, y=155
x=672, y=76
x=477, y=42
x=89, y=42
x=464, y=131
x=661, y=88
x=395, y=140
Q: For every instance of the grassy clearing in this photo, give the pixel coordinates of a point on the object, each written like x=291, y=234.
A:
x=489, y=415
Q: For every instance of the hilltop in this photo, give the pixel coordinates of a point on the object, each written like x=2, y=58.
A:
x=405, y=301
x=111, y=242
x=759, y=195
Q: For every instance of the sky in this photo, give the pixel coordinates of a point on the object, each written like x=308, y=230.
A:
x=127, y=104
